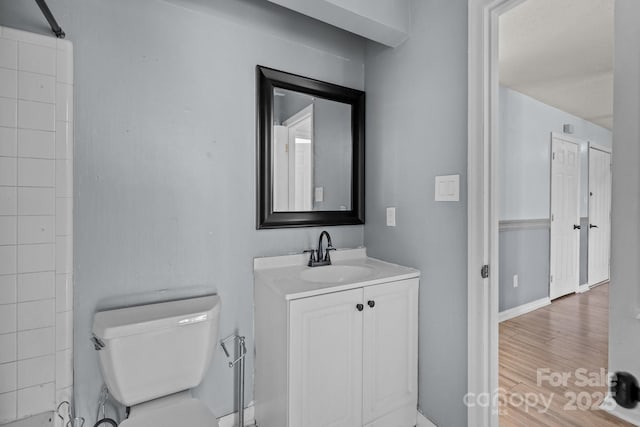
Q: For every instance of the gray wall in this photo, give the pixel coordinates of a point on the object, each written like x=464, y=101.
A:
x=417, y=129
x=332, y=154
x=524, y=250
x=525, y=140
x=165, y=153
x=624, y=295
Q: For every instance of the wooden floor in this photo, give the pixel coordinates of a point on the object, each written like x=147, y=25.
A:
x=537, y=348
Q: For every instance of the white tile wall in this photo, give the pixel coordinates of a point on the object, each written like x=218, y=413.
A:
x=36, y=87
x=8, y=290
x=8, y=259
x=36, y=258
x=8, y=54
x=8, y=112
x=36, y=201
x=8, y=407
x=64, y=293
x=8, y=201
x=64, y=254
x=39, y=370
x=8, y=318
x=8, y=142
x=36, y=229
x=36, y=58
x=8, y=79
x=8, y=171
x=36, y=314
x=36, y=115
x=64, y=173
x=64, y=218
x=36, y=224
x=64, y=330
x=36, y=172
x=36, y=144
x=8, y=230
x=8, y=348
x=7, y=377
x=36, y=286
x=36, y=342
x=35, y=400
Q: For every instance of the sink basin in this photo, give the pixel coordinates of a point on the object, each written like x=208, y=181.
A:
x=336, y=274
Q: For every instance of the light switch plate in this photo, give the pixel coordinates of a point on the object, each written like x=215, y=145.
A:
x=319, y=196
x=391, y=217
x=447, y=188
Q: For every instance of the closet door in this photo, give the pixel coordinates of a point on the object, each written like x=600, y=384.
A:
x=390, y=354
x=325, y=356
x=599, y=216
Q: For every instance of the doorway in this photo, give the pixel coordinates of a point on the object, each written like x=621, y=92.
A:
x=485, y=205
x=564, y=262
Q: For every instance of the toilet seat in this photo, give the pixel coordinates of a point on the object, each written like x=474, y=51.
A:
x=176, y=410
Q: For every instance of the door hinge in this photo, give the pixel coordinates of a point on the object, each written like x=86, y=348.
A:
x=553, y=156
x=484, y=271
x=551, y=278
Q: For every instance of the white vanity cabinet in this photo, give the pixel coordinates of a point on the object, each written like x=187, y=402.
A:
x=338, y=356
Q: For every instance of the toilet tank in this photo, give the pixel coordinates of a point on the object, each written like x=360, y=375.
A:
x=150, y=351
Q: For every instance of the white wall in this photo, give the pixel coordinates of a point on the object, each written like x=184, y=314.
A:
x=624, y=328
x=525, y=140
x=165, y=154
x=383, y=21
x=36, y=199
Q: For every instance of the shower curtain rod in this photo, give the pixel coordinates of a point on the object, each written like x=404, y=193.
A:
x=50, y=18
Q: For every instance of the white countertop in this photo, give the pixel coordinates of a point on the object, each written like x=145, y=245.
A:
x=282, y=273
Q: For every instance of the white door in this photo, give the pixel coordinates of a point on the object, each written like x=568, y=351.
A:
x=599, y=216
x=565, y=217
x=325, y=356
x=390, y=362
x=300, y=149
x=280, y=168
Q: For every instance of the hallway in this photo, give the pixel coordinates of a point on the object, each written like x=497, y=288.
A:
x=553, y=364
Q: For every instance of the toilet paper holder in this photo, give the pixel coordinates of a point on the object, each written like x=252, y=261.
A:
x=240, y=353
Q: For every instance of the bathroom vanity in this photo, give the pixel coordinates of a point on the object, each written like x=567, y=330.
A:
x=336, y=345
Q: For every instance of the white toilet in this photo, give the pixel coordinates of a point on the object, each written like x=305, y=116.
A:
x=152, y=355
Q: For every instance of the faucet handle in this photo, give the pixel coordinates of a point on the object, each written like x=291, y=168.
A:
x=327, y=257
x=312, y=256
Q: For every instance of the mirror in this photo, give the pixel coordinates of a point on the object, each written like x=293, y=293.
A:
x=310, y=152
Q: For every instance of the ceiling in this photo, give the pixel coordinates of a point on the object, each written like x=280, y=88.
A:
x=560, y=52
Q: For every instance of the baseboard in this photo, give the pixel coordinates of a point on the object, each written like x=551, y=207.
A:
x=231, y=420
x=595, y=285
x=249, y=419
x=523, y=309
x=608, y=403
x=583, y=288
x=40, y=420
x=423, y=421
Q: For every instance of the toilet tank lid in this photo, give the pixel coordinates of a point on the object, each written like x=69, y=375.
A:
x=140, y=319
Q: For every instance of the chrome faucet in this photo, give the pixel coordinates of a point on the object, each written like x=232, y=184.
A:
x=319, y=257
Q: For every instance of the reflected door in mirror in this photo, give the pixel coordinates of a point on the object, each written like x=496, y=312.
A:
x=312, y=153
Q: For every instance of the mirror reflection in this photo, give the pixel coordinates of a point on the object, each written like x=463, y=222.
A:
x=312, y=153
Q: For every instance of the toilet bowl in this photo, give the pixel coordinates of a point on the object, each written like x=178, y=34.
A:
x=152, y=355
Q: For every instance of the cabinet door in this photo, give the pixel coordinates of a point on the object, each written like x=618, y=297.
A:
x=390, y=353
x=325, y=360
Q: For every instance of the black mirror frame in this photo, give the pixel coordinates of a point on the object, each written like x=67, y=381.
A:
x=266, y=218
